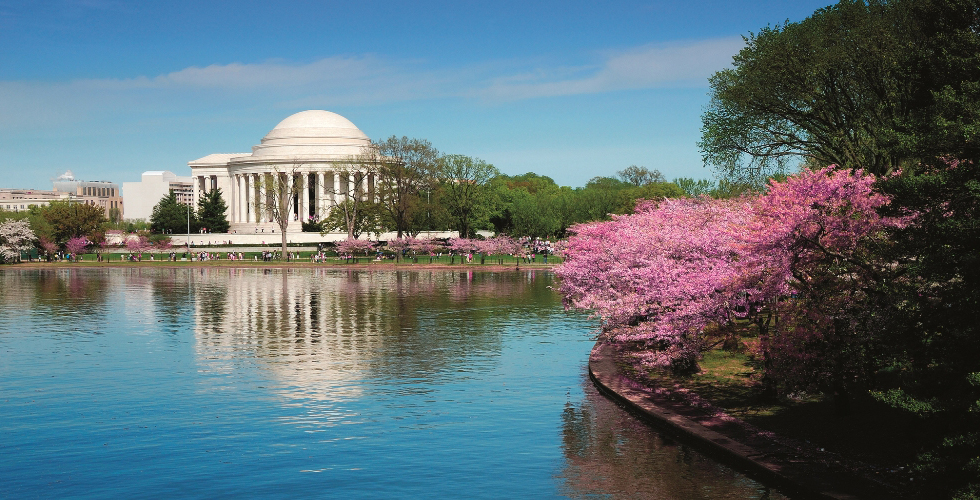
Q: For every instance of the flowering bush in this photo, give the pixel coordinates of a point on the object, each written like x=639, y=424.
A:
x=351, y=246
x=660, y=276
x=16, y=236
x=77, y=245
x=463, y=245
x=657, y=276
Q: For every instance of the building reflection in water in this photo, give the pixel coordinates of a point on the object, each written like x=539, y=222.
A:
x=321, y=332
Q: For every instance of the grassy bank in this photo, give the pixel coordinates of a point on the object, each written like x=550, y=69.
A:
x=254, y=259
x=730, y=380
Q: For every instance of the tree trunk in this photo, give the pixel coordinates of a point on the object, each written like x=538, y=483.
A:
x=282, y=230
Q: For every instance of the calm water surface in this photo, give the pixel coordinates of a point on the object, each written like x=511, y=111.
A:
x=307, y=383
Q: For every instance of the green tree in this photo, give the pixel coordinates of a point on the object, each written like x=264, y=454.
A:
x=945, y=69
x=407, y=171
x=830, y=89
x=72, y=220
x=364, y=218
x=600, y=197
x=651, y=191
x=695, y=187
x=171, y=216
x=464, y=185
x=640, y=176
x=211, y=210
x=931, y=330
x=115, y=215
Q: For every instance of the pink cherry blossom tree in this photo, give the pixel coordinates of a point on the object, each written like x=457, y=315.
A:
x=463, y=245
x=422, y=246
x=398, y=246
x=809, y=275
x=76, y=246
x=659, y=276
x=799, y=259
x=138, y=244
x=49, y=248
x=351, y=247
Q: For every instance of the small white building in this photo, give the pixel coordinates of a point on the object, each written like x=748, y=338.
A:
x=142, y=196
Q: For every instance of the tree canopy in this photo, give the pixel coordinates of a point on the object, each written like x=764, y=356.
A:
x=464, y=187
x=71, y=220
x=171, y=216
x=211, y=210
x=407, y=169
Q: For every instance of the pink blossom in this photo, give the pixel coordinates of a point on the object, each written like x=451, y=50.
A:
x=352, y=246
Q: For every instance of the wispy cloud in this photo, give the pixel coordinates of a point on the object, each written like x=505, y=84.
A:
x=356, y=80
x=675, y=64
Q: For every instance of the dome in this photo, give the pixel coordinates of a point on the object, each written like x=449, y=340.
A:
x=313, y=133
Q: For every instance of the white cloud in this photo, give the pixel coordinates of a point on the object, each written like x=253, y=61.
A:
x=353, y=80
x=675, y=64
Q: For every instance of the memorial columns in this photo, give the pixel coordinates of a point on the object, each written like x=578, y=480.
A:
x=304, y=194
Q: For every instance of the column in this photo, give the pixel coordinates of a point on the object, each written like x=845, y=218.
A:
x=249, y=211
x=304, y=194
x=232, y=195
x=238, y=197
x=289, y=190
x=321, y=195
x=260, y=193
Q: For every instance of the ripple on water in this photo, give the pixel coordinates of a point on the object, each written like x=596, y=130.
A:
x=271, y=383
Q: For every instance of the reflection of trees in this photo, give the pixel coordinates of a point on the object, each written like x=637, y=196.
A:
x=318, y=328
x=64, y=293
x=171, y=294
x=609, y=452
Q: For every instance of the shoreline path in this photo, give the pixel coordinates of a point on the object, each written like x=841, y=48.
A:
x=795, y=469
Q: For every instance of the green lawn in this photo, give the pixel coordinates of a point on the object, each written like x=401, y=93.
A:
x=873, y=432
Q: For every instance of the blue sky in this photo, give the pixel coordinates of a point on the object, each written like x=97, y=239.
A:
x=567, y=89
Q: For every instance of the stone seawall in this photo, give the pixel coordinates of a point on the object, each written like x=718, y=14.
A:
x=798, y=472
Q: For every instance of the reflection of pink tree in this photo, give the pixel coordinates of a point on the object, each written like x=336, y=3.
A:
x=76, y=246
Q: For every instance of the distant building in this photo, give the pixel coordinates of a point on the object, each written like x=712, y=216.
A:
x=142, y=196
x=16, y=200
x=103, y=194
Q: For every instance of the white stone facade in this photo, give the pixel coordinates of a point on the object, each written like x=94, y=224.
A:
x=142, y=196
x=314, y=147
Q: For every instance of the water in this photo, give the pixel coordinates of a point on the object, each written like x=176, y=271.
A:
x=208, y=383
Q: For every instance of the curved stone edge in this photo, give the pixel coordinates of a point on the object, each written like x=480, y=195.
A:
x=795, y=480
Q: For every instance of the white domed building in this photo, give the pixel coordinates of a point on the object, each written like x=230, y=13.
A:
x=315, y=146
